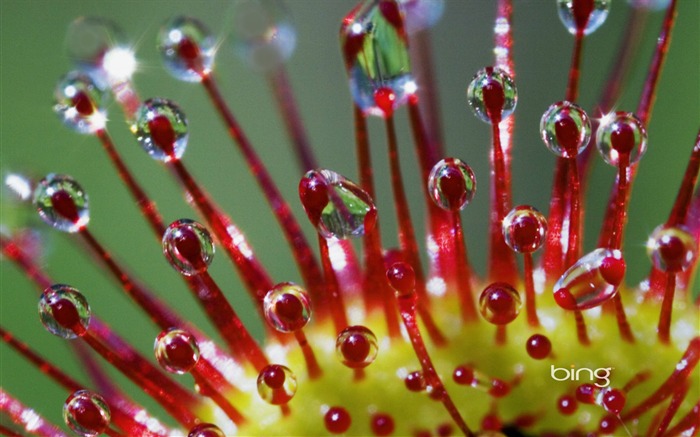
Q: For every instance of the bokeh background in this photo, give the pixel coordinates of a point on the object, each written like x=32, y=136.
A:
x=34, y=142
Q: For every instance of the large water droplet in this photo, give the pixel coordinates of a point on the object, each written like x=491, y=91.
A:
x=86, y=413
x=336, y=206
x=672, y=248
x=421, y=14
x=375, y=48
x=62, y=203
x=621, y=133
x=565, y=129
x=287, y=307
x=276, y=384
x=188, y=48
x=188, y=246
x=524, y=229
x=206, y=430
x=492, y=94
x=160, y=127
x=356, y=347
x=587, y=15
x=80, y=103
x=64, y=311
x=176, y=350
x=499, y=303
x=451, y=184
x=263, y=33
x=591, y=281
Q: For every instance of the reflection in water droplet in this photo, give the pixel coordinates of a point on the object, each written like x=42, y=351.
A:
x=287, y=307
x=188, y=246
x=451, y=184
x=187, y=47
x=499, y=303
x=64, y=311
x=524, y=229
x=176, y=351
x=62, y=203
x=86, y=413
x=586, y=15
x=591, y=281
x=672, y=248
x=492, y=94
x=565, y=129
x=80, y=103
x=276, y=384
x=356, y=347
x=621, y=133
x=160, y=127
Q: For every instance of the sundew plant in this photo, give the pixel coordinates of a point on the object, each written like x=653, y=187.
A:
x=386, y=217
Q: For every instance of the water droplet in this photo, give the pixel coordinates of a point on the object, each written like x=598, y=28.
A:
x=567, y=405
x=463, y=375
x=587, y=15
x=86, y=413
x=356, y=347
x=187, y=47
x=621, y=133
x=466, y=375
x=176, y=351
x=206, y=430
x=591, y=281
x=287, y=307
x=80, y=103
x=62, y=203
x=375, y=49
x=276, y=384
x=263, y=34
x=402, y=278
x=161, y=129
x=382, y=424
x=188, y=246
x=524, y=229
x=421, y=14
x=451, y=184
x=613, y=400
x=499, y=303
x=565, y=129
x=538, y=346
x=672, y=248
x=337, y=420
x=492, y=94
x=64, y=311
x=336, y=206
x=415, y=381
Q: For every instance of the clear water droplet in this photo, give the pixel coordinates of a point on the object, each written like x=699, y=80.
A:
x=80, y=103
x=64, y=311
x=421, y=14
x=206, y=430
x=86, y=413
x=160, y=127
x=375, y=48
x=188, y=246
x=451, y=184
x=62, y=203
x=499, y=303
x=356, y=347
x=187, y=47
x=176, y=350
x=263, y=34
x=277, y=384
x=492, y=94
x=672, y=248
x=287, y=307
x=565, y=129
x=336, y=206
x=621, y=133
x=524, y=229
x=587, y=15
x=591, y=281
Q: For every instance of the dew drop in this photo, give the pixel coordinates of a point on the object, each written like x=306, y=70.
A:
x=421, y=14
x=567, y=405
x=621, y=133
x=672, y=248
x=524, y=229
x=337, y=420
x=584, y=15
x=160, y=127
x=336, y=206
x=263, y=34
x=492, y=94
x=287, y=307
x=499, y=303
x=86, y=413
x=415, y=381
x=80, y=103
x=62, y=203
x=64, y=311
x=356, y=347
x=382, y=424
x=188, y=246
x=565, y=129
x=187, y=47
x=538, y=346
x=591, y=281
x=176, y=350
x=451, y=184
x=375, y=48
x=206, y=430
x=276, y=384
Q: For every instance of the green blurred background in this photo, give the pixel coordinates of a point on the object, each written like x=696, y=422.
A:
x=33, y=141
